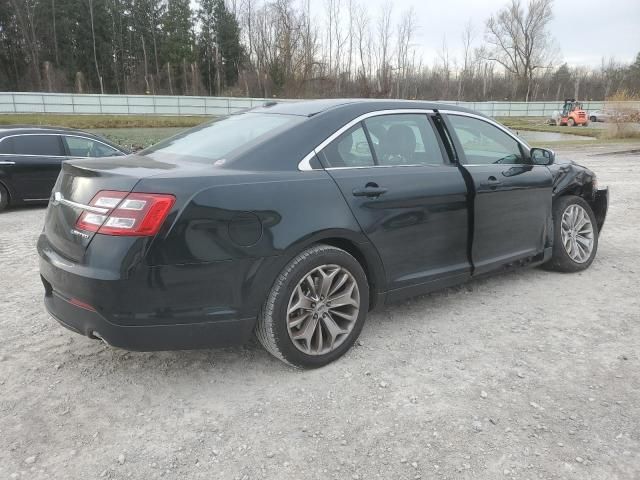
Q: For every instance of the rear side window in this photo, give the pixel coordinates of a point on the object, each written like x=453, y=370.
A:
x=44, y=145
x=406, y=139
x=351, y=149
x=219, y=139
x=86, y=147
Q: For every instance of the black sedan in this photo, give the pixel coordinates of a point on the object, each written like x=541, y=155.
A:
x=294, y=220
x=31, y=158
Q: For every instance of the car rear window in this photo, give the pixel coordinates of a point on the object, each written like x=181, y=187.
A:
x=45, y=145
x=219, y=139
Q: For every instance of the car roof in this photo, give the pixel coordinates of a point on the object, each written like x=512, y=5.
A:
x=309, y=108
x=8, y=130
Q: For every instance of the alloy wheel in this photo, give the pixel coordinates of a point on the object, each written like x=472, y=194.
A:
x=577, y=233
x=323, y=309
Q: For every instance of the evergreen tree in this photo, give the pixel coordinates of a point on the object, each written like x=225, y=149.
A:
x=178, y=40
x=227, y=32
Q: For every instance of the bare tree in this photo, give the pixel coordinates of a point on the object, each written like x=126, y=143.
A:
x=95, y=56
x=446, y=68
x=406, y=30
x=383, y=49
x=467, y=41
x=520, y=40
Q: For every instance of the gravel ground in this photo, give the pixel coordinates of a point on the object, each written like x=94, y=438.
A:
x=526, y=375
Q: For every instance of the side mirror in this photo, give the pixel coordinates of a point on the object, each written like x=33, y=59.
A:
x=542, y=156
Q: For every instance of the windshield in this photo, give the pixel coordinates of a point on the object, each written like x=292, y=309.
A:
x=220, y=138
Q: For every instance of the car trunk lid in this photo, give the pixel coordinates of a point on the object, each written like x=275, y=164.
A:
x=78, y=183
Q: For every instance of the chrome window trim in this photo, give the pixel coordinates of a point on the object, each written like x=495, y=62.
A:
x=305, y=164
x=57, y=135
x=7, y=163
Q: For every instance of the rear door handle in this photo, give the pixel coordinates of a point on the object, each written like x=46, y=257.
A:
x=369, y=191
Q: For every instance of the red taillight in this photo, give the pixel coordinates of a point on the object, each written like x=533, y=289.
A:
x=136, y=214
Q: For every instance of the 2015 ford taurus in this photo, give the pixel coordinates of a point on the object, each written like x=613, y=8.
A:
x=294, y=220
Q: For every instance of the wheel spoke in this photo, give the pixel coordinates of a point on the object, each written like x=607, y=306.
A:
x=351, y=317
x=333, y=329
x=295, y=321
x=306, y=333
x=302, y=303
x=339, y=284
x=327, y=281
x=344, y=299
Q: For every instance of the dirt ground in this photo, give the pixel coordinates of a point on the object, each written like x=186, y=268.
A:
x=527, y=375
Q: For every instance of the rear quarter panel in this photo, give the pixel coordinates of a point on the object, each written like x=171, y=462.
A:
x=257, y=221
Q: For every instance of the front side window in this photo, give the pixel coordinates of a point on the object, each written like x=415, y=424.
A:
x=42, y=145
x=219, y=139
x=484, y=143
x=404, y=139
x=351, y=149
x=85, y=147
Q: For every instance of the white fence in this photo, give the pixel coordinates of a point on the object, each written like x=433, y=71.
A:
x=174, y=105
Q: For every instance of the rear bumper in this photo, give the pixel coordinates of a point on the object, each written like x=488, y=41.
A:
x=145, y=308
x=86, y=321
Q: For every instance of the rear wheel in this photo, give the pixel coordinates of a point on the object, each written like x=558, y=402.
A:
x=592, y=118
x=4, y=198
x=575, y=235
x=316, y=308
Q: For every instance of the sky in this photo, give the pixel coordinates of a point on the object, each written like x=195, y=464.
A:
x=584, y=30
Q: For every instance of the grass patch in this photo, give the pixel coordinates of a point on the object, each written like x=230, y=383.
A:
x=137, y=138
x=86, y=122
x=539, y=124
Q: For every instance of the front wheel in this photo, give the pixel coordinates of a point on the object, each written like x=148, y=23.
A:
x=571, y=122
x=316, y=308
x=575, y=237
x=593, y=119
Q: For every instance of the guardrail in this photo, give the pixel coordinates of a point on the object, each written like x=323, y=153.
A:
x=61, y=103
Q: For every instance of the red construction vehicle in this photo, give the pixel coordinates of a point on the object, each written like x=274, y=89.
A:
x=572, y=114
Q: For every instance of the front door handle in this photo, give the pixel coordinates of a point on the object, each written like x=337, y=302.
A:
x=370, y=190
x=491, y=182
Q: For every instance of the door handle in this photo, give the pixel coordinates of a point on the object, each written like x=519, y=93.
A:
x=491, y=182
x=370, y=190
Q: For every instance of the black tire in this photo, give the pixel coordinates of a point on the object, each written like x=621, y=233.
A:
x=4, y=198
x=560, y=259
x=571, y=122
x=593, y=119
x=271, y=328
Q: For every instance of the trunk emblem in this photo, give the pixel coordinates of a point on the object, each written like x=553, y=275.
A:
x=78, y=233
